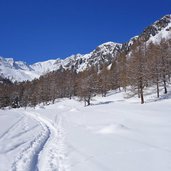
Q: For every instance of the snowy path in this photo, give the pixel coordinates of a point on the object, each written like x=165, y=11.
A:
x=38, y=146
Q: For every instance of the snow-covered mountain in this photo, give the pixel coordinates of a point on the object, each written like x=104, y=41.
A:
x=20, y=71
x=105, y=53
x=16, y=70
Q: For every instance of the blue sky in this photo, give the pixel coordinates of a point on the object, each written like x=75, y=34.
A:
x=38, y=30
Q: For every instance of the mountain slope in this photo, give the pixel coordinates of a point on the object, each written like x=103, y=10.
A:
x=105, y=53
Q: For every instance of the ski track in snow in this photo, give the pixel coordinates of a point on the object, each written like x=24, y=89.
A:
x=45, y=151
x=10, y=128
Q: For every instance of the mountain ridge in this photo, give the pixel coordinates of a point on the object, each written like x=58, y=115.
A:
x=104, y=53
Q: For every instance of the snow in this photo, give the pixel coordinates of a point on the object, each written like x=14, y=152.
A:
x=44, y=67
x=109, y=67
x=112, y=44
x=114, y=133
x=130, y=43
x=164, y=34
x=16, y=70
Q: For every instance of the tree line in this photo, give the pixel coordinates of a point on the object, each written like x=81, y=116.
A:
x=146, y=65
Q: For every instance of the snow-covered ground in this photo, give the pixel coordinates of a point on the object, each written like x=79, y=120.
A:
x=113, y=134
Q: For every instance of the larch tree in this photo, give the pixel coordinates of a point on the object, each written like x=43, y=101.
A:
x=154, y=65
x=138, y=70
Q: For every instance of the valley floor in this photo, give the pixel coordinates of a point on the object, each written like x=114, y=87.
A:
x=113, y=134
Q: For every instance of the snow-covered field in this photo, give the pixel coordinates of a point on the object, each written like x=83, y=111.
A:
x=113, y=134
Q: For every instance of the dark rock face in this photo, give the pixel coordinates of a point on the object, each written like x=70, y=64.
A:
x=105, y=53
x=5, y=81
x=156, y=27
x=148, y=32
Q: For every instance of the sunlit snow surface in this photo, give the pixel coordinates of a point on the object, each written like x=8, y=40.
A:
x=113, y=134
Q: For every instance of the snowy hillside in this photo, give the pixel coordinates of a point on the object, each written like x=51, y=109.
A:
x=114, y=133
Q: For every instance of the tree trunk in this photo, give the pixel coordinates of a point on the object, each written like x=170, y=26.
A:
x=138, y=92
x=157, y=89
x=164, y=81
x=88, y=101
x=142, y=96
x=141, y=91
